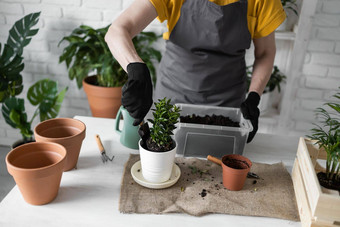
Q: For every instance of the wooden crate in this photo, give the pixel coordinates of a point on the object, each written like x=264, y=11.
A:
x=317, y=206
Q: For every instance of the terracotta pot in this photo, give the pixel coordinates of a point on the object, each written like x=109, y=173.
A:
x=235, y=169
x=103, y=101
x=37, y=169
x=156, y=166
x=65, y=131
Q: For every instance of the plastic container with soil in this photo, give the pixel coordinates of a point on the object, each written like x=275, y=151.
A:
x=200, y=140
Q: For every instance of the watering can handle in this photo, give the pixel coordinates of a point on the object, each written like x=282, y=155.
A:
x=214, y=159
x=118, y=116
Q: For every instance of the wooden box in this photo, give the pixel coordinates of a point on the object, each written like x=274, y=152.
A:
x=317, y=206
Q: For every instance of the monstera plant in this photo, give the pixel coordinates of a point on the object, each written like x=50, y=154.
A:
x=43, y=94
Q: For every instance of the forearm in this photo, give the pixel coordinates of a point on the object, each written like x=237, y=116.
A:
x=121, y=46
x=131, y=22
x=263, y=64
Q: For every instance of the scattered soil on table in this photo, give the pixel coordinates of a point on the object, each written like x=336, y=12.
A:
x=330, y=184
x=209, y=120
x=236, y=164
x=203, y=193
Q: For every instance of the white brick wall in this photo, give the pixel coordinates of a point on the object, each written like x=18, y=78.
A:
x=321, y=69
x=319, y=78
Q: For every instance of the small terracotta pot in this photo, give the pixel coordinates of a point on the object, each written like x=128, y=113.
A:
x=235, y=169
x=37, y=169
x=103, y=101
x=65, y=131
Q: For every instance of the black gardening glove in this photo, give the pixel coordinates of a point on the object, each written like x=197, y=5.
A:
x=137, y=91
x=251, y=112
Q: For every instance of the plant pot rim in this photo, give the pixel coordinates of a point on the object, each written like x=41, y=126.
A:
x=157, y=152
x=82, y=129
x=237, y=157
x=88, y=83
x=21, y=147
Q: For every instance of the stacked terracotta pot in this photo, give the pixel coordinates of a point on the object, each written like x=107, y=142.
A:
x=37, y=167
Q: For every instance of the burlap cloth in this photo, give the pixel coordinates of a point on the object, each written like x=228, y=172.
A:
x=271, y=196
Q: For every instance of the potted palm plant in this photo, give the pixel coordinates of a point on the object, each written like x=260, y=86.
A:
x=43, y=94
x=273, y=87
x=87, y=53
x=319, y=206
x=157, y=152
x=327, y=136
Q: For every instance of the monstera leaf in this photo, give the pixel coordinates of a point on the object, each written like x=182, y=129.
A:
x=44, y=94
x=10, y=77
x=13, y=110
x=21, y=33
x=11, y=58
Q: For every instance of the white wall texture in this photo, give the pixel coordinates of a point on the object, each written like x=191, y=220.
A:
x=320, y=72
x=320, y=75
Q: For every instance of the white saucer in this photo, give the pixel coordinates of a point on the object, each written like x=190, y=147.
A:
x=138, y=177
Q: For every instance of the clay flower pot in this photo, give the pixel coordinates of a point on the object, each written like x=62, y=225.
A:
x=65, y=131
x=156, y=166
x=103, y=101
x=235, y=169
x=37, y=169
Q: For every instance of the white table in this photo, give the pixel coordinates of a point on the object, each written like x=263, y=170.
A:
x=89, y=195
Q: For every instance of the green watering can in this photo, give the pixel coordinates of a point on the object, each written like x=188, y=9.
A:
x=129, y=136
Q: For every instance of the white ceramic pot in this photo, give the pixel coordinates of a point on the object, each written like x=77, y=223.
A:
x=156, y=166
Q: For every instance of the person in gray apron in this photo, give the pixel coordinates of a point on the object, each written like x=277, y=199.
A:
x=204, y=63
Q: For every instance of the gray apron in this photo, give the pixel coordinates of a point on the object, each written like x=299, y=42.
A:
x=204, y=59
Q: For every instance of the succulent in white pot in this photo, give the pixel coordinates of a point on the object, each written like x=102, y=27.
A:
x=158, y=151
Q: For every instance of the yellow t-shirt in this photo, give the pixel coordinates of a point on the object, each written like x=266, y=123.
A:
x=264, y=16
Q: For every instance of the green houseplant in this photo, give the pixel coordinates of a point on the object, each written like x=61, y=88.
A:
x=165, y=117
x=158, y=154
x=326, y=135
x=43, y=94
x=87, y=52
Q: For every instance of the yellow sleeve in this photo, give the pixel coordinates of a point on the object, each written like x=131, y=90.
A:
x=169, y=10
x=269, y=15
x=161, y=7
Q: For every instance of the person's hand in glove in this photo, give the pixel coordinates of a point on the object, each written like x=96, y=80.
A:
x=137, y=91
x=251, y=112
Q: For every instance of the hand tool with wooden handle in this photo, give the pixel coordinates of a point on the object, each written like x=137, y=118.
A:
x=214, y=159
x=102, y=150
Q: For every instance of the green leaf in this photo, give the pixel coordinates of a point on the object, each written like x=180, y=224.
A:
x=44, y=94
x=21, y=32
x=53, y=110
x=41, y=91
x=13, y=111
